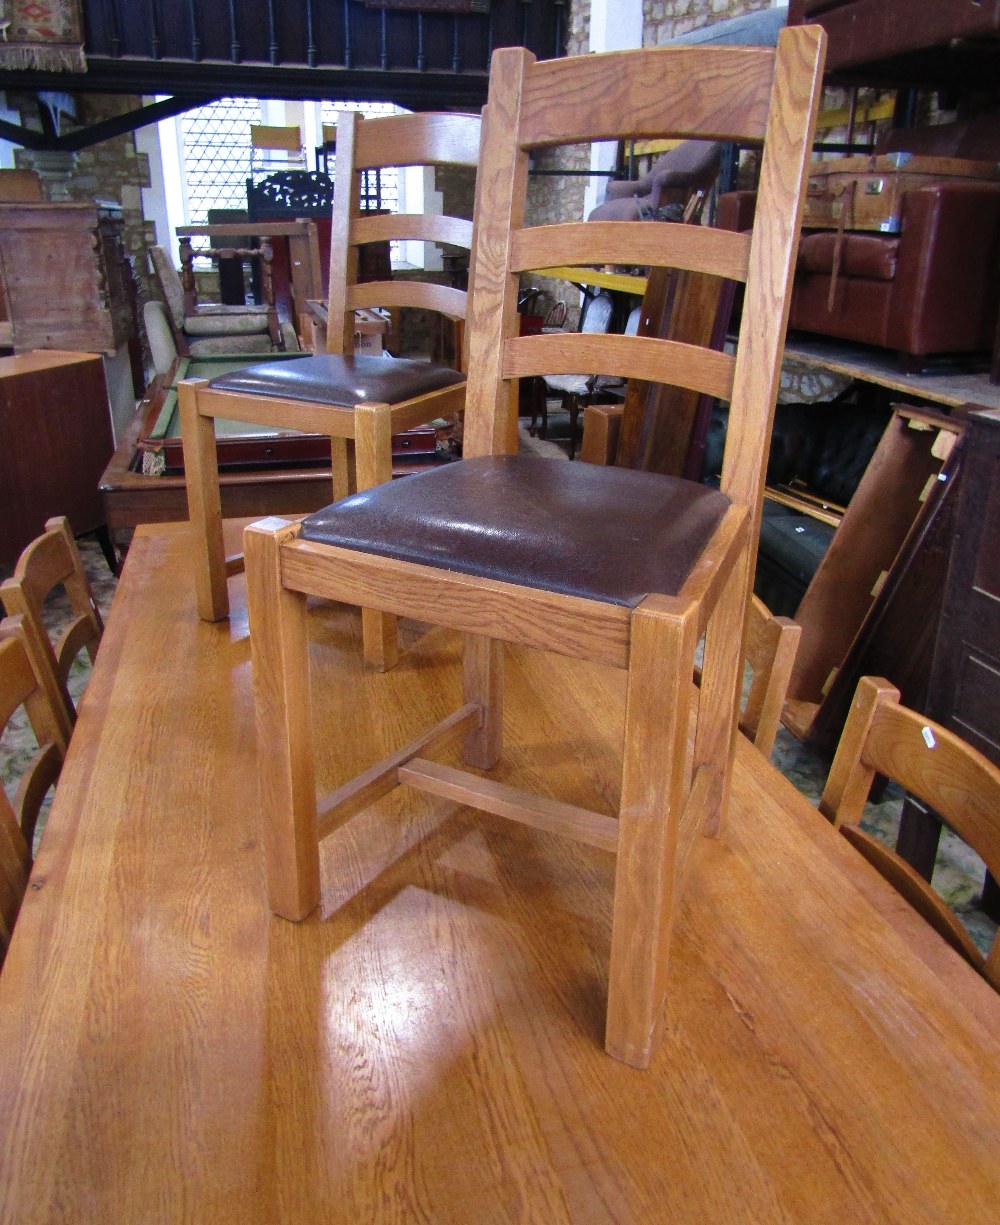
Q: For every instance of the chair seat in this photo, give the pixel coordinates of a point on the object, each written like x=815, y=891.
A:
x=500, y=517
x=331, y=378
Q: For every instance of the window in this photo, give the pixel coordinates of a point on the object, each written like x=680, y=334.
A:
x=205, y=156
x=379, y=189
x=216, y=145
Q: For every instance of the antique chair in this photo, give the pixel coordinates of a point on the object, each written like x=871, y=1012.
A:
x=209, y=329
x=883, y=737
x=20, y=685
x=51, y=560
x=364, y=398
x=606, y=564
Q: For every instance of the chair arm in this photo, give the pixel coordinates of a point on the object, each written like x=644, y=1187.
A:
x=944, y=293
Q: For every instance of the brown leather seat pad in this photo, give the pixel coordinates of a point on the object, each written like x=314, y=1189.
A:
x=330, y=378
x=607, y=534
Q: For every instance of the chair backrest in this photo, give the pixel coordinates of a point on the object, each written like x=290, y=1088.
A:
x=275, y=148
x=19, y=686
x=53, y=559
x=168, y=281
x=883, y=737
x=376, y=144
x=747, y=95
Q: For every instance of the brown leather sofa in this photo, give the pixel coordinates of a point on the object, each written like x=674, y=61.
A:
x=932, y=288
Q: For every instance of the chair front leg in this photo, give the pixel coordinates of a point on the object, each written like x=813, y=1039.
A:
x=201, y=474
x=373, y=465
x=654, y=788
x=279, y=643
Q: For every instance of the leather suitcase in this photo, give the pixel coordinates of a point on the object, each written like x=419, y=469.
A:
x=866, y=192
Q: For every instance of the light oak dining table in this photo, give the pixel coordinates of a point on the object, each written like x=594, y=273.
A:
x=428, y=1046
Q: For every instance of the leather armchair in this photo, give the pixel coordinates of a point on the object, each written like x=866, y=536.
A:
x=931, y=289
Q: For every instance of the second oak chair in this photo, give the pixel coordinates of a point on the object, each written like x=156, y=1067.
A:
x=605, y=564
x=365, y=398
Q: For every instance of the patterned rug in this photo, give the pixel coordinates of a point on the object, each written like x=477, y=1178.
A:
x=43, y=34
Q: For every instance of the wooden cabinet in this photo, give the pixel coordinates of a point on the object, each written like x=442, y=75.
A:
x=55, y=439
x=965, y=677
x=66, y=279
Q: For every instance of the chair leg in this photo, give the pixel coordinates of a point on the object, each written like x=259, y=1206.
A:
x=482, y=661
x=340, y=468
x=373, y=460
x=201, y=473
x=285, y=759
x=657, y=717
x=721, y=685
x=573, y=404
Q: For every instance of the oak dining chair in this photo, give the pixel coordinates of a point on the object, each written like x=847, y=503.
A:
x=882, y=737
x=20, y=686
x=364, y=398
x=48, y=562
x=607, y=564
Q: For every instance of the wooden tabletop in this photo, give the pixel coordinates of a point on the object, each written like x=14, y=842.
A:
x=428, y=1047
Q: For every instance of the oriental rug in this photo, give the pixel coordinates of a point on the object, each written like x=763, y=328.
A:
x=42, y=34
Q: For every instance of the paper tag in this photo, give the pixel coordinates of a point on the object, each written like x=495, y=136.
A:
x=928, y=736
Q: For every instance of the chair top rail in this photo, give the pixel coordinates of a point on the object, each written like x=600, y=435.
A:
x=719, y=93
x=426, y=139
x=942, y=770
x=43, y=563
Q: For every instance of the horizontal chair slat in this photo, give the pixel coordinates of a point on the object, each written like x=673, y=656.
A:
x=567, y=625
x=417, y=294
x=337, y=808
x=727, y=98
x=538, y=811
x=417, y=227
x=639, y=357
x=265, y=410
x=639, y=243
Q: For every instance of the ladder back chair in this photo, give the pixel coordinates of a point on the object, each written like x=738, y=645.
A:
x=364, y=398
x=605, y=564
x=20, y=685
x=883, y=737
x=51, y=560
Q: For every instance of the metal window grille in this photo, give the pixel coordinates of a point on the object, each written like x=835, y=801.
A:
x=217, y=154
x=379, y=188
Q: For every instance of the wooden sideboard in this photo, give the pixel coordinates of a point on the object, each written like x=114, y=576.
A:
x=55, y=439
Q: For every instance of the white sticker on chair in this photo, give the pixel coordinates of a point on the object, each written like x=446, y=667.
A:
x=928, y=736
